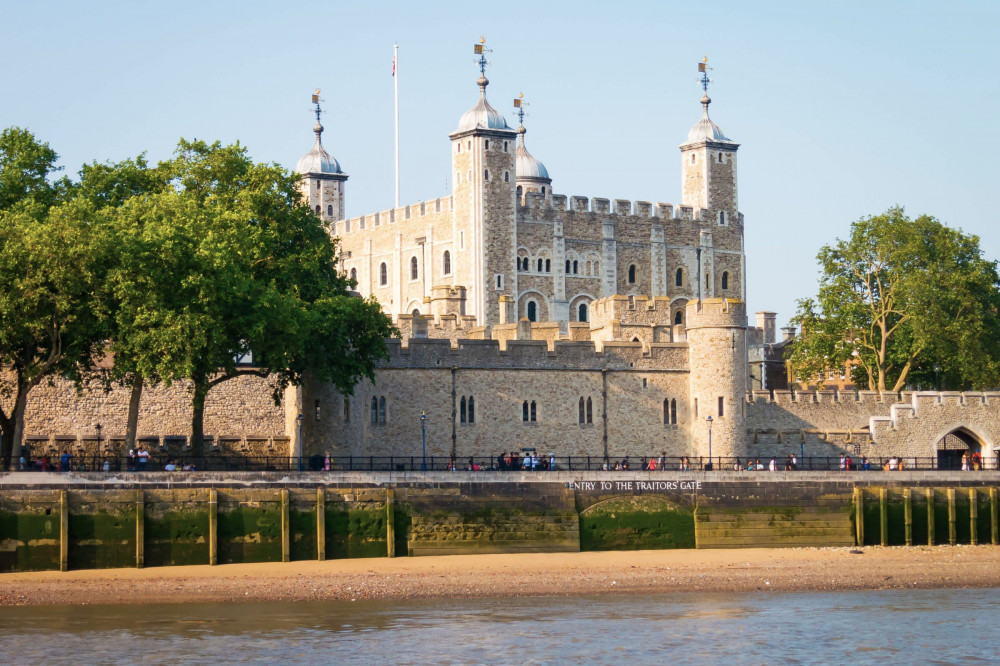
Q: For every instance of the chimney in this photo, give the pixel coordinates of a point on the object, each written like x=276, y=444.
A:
x=787, y=333
x=766, y=322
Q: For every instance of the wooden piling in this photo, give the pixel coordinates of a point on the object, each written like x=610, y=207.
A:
x=974, y=515
x=952, y=518
x=930, y=516
x=883, y=516
x=63, y=531
x=994, y=533
x=140, y=529
x=286, y=541
x=390, y=521
x=321, y=524
x=908, y=515
x=213, y=526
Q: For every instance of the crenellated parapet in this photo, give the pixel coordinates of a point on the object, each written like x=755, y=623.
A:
x=533, y=354
x=406, y=213
x=535, y=201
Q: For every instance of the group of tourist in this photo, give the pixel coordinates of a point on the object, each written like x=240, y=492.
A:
x=514, y=461
x=973, y=461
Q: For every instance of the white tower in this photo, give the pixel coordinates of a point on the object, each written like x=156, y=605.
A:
x=322, y=178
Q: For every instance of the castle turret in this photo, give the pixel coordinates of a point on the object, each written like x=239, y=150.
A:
x=532, y=176
x=716, y=329
x=708, y=164
x=486, y=233
x=322, y=178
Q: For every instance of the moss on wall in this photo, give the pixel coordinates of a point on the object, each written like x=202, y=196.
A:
x=102, y=539
x=249, y=532
x=636, y=523
x=356, y=532
x=302, y=534
x=176, y=538
x=29, y=538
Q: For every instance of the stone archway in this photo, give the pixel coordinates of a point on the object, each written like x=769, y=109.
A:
x=636, y=523
x=952, y=445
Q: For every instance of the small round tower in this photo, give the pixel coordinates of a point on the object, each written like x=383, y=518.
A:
x=716, y=335
x=322, y=178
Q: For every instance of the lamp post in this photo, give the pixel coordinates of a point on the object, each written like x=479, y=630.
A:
x=423, y=441
x=298, y=422
x=708, y=420
x=97, y=427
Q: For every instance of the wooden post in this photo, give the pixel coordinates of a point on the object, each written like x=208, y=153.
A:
x=859, y=516
x=213, y=527
x=908, y=515
x=285, y=527
x=994, y=533
x=952, y=517
x=140, y=529
x=974, y=516
x=63, y=531
x=390, y=521
x=883, y=515
x=321, y=524
x=930, y=516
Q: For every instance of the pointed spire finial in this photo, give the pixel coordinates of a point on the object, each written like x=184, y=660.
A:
x=480, y=50
x=519, y=104
x=318, y=128
x=704, y=80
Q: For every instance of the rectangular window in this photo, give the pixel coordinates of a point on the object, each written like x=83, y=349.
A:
x=721, y=407
x=696, y=407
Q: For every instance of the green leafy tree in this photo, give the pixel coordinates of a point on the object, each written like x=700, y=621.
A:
x=226, y=262
x=48, y=326
x=909, y=302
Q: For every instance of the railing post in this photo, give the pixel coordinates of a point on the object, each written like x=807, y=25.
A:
x=390, y=521
x=994, y=533
x=974, y=516
x=859, y=516
x=285, y=527
x=952, y=519
x=883, y=516
x=213, y=527
x=63, y=531
x=930, y=516
x=140, y=529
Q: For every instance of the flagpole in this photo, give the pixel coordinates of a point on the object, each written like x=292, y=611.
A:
x=395, y=85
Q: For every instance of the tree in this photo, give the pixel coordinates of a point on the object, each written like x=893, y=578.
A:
x=229, y=261
x=907, y=301
x=47, y=252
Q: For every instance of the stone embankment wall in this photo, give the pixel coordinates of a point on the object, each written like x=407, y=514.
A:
x=64, y=521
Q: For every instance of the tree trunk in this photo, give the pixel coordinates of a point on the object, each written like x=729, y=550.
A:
x=6, y=441
x=198, y=416
x=132, y=424
x=18, y=417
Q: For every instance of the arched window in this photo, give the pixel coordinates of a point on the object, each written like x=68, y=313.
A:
x=706, y=282
x=721, y=158
x=462, y=415
x=541, y=264
x=518, y=191
x=722, y=218
x=548, y=265
x=631, y=274
x=505, y=146
x=673, y=412
x=415, y=313
x=446, y=263
x=679, y=277
x=725, y=280
x=692, y=158
x=414, y=268
x=459, y=147
x=381, y=410
x=582, y=312
x=576, y=267
x=532, y=311
x=590, y=410
x=666, y=411
x=486, y=174
x=329, y=210
x=486, y=144
x=317, y=208
x=383, y=274
x=506, y=176
x=374, y=411
x=568, y=264
x=534, y=412
x=472, y=409
x=499, y=283
x=543, y=189
x=524, y=411
x=354, y=275
x=679, y=317
x=583, y=411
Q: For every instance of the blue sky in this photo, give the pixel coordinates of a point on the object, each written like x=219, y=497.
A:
x=842, y=109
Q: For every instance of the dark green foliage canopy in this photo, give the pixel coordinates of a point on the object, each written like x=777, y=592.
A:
x=912, y=303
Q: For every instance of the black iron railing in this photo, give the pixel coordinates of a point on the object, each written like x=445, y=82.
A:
x=524, y=462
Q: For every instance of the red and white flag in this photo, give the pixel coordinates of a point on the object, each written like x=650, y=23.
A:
x=394, y=65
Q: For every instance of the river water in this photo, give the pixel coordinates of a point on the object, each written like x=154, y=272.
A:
x=923, y=626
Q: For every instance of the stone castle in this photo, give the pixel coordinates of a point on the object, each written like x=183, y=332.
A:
x=576, y=325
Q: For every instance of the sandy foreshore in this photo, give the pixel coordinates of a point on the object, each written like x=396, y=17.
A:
x=537, y=574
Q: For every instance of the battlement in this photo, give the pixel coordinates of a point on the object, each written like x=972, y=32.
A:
x=716, y=312
x=909, y=400
x=617, y=207
x=535, y=355
x=393, y=215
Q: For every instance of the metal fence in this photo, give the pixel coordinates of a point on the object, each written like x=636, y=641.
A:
x=523, y=462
